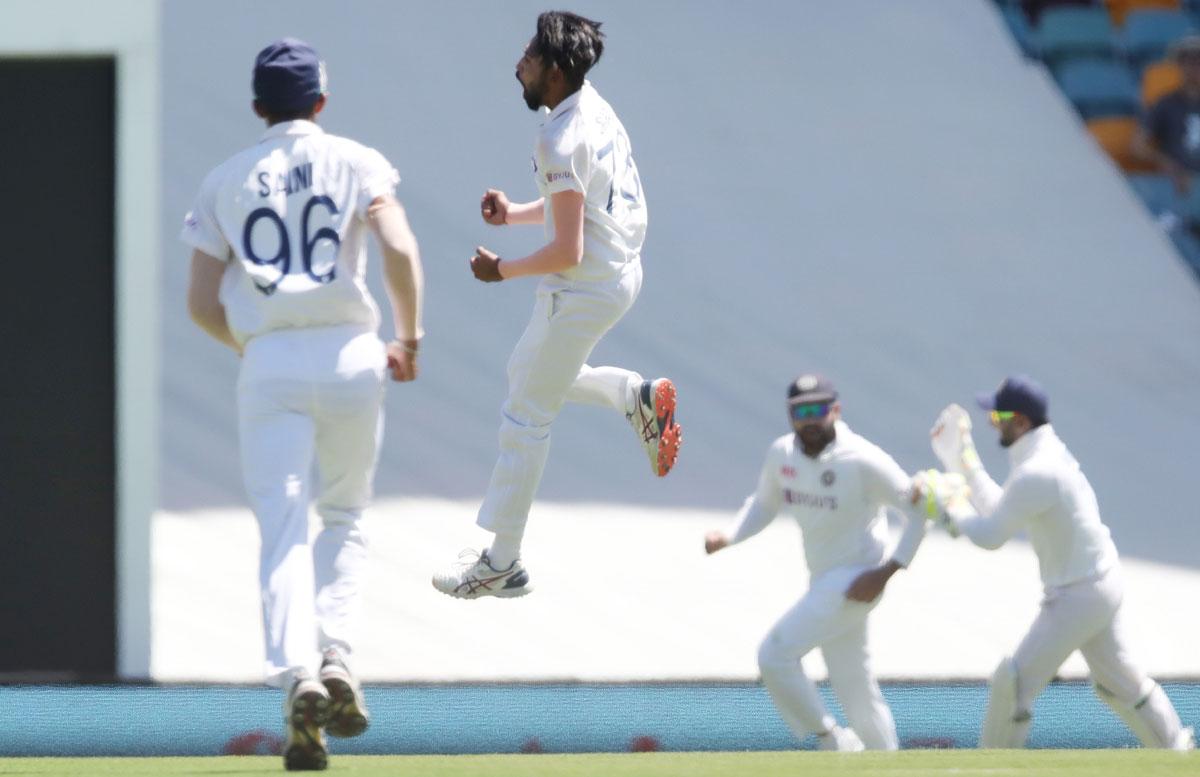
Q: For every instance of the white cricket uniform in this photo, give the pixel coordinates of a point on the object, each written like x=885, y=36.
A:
x=289, y=217
x=1048, y=497
x=581, y=147
x=839, y=500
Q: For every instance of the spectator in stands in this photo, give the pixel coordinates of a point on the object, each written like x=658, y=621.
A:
x=1169, y=138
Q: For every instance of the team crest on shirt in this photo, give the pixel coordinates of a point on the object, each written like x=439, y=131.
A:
x=827, y=477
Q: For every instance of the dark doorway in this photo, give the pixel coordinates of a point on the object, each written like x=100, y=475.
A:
x=57, y=438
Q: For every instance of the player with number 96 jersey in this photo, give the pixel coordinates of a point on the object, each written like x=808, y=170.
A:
x=277, y=274
x=292, y=214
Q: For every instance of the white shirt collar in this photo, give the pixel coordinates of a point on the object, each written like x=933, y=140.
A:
x=1030, y=442
x=297, y=127
x=569, y=102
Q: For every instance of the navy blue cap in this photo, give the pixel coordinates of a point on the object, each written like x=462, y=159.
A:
x=288, y=76
x=1019, y=394
x=811, y=387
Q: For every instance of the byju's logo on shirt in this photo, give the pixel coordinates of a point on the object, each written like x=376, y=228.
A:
x=805, y=499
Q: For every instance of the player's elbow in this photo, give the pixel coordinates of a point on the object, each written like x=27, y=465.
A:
x=987, y=540
x=570, y=252
x=205, y=312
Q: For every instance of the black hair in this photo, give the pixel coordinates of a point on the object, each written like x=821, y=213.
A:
x=570, y=41
x=276, y=117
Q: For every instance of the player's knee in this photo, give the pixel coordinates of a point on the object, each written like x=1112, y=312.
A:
x=773, y=657
x=516, y=433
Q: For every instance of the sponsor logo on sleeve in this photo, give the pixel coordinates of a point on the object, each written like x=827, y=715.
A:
x=562, y=176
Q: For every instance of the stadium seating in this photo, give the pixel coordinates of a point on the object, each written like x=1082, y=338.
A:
x=1188, y=245
x=1072, y=33
x=1179, y=216
x=1018, y=25
x=1120, y=9
x=1035, y=8
x=1147, y=34
x=1115, y=135
x=1156, y=192
x=1109, y=57
x=1099, y=88
x=1158, y=79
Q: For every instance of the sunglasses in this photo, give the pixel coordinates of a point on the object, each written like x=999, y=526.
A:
x=997, y=416
x=805, y=411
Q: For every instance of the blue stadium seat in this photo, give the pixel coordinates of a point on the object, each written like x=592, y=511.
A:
x=1099, y=88
x=1191, y=205
x=1147, y=34
x=1156, y=192
x=1018, y=25
x=1189, y=247
x=1070, y=33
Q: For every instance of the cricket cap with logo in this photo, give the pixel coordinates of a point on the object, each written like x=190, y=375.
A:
x=288, y=76
x=1018, y=394
x=811, y=387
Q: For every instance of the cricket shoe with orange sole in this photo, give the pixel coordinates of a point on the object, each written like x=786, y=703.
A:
x=653, y=421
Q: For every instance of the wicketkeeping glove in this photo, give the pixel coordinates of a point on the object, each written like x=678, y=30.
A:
x=952, y=442
x=945, y=498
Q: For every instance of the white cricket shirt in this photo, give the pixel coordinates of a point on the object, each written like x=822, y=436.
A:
x=838, y=499
x=289, y=216
x=1046, y=495
x=583, y=147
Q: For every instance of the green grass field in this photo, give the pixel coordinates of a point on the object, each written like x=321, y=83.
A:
x=910, y=763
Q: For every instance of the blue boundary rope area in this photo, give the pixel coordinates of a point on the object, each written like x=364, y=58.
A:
x=163, y=720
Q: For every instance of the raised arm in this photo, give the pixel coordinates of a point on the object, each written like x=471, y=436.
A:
x=952, y=443
x=562, y=253
x=497, y=210
x=1027, y=495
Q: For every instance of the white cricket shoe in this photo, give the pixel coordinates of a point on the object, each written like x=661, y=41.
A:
x=348, y=709
x=841, y=739
x=305, y=710
x=653, y=421
x=474, y=576
x=1185, y=741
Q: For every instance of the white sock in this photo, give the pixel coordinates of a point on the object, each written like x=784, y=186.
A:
x=506, y=548
x=633, y=392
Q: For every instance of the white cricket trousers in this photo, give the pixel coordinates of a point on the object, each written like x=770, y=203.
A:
x=310, y=396
x=547, y=368
x=824, y=618
x=1083, y=616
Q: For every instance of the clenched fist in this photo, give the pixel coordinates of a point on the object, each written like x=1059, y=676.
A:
x=494, y=207
x=486, y=266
